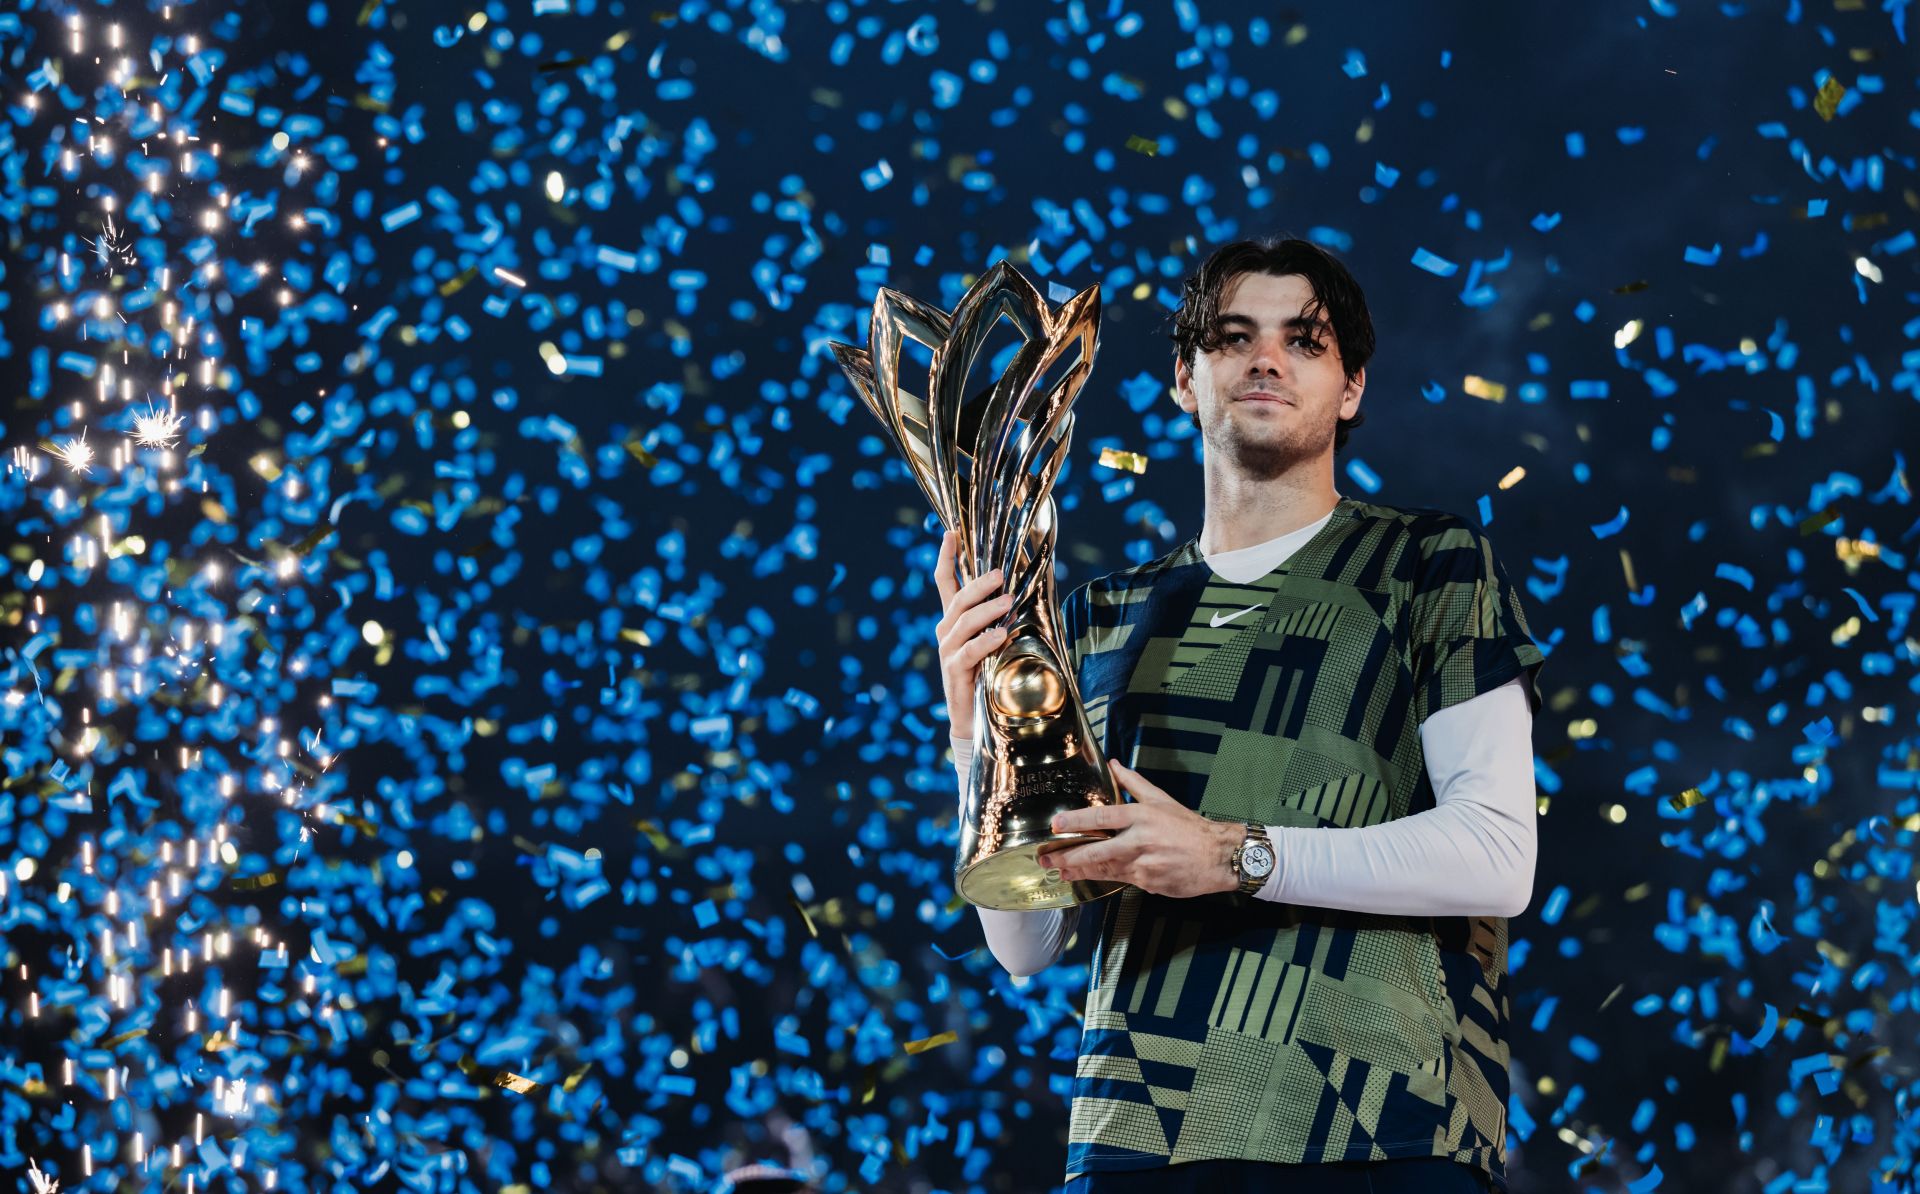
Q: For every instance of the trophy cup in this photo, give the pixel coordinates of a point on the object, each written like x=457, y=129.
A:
x=988, y=465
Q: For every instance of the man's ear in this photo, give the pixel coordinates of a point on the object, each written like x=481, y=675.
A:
x=1350, y=399
x=1183, y=386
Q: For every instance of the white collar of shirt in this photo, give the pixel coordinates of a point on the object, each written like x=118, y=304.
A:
x=1244, y=564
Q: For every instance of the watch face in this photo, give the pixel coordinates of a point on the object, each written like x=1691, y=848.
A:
x=1256, y=860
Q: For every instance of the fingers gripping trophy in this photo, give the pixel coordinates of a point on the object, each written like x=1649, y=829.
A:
x=987, y=464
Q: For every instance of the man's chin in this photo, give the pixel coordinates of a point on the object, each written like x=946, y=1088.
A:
x=1267, y=457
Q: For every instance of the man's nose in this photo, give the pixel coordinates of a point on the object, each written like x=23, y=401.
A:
x=1269, y=358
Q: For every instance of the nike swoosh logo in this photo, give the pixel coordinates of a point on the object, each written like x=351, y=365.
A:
x=1217, y=621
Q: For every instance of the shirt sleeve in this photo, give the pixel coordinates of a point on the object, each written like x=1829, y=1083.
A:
x=1472, y=854
x=1468, y=633
x=1023, y=943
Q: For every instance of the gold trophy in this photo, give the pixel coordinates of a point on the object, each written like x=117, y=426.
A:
x=988, y=467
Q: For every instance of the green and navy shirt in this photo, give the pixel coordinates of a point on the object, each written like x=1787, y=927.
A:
x=1226, y=1026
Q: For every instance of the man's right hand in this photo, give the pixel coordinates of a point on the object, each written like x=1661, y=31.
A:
x=965, y=633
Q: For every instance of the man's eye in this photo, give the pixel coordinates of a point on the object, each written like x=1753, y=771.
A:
x=1309, y=341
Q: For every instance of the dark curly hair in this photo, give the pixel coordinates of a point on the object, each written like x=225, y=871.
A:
x=1336, y=295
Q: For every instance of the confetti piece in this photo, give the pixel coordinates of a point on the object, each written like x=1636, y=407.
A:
x=1480, y=387
x=932, y=1042
x=1686, y=800
x=1440, y=267
x=1612, y=526
x=1826, y=101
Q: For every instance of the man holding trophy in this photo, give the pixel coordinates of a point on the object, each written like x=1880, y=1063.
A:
x=1326, y=810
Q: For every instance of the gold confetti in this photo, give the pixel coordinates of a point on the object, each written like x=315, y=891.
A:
x=812, y=930
x=1877, y=1051
x=255, y=882
x=1686, y=800
x=1852, y=551
x=504, y=1079
x=660, y=840
x=1514, y=477
x=1827, y=100
x=312, y=540
x=1133, y=462
x=932, y=1042
x=1146, y=145
x=1480, y=387
x=1626, y=566
x=452, y=285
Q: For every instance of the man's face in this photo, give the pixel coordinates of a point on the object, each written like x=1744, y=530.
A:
x=1271, y=396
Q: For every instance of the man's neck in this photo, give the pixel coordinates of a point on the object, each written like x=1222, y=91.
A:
x=1242, y=511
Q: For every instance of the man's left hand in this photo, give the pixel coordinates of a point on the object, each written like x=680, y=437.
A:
x=1159, y=845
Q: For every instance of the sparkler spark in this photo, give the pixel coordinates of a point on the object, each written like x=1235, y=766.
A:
x=76, y=454
x=156, y=428
x=112, y=247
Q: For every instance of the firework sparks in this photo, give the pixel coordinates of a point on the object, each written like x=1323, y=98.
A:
x=157, y=428
x=112, y=247
x=76, y=454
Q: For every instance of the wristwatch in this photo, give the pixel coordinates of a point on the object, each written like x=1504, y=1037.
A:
x=1253, y=860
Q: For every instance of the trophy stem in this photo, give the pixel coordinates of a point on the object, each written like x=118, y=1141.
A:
x=1035, y=756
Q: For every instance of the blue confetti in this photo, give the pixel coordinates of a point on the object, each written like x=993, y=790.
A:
x=1440, y=267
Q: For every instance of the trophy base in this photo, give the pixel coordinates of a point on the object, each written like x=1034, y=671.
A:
x=1011, y=879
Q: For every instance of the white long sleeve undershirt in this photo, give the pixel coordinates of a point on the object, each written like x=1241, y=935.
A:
x=1472, y=854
